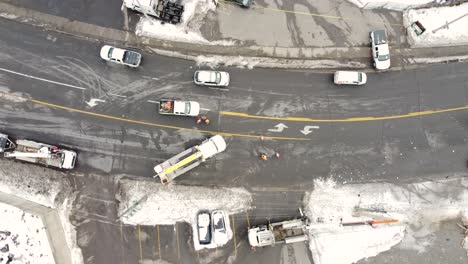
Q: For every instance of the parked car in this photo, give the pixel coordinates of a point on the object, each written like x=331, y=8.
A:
x=211, y=78
x=380, y=50
x=350, y=78
x=204, y=227
x=244, y=3
x=220, y=235
x=121, y=56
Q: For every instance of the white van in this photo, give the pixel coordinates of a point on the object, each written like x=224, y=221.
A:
x=350, y=77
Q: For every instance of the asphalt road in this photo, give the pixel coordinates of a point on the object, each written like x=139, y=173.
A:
x=393, y=150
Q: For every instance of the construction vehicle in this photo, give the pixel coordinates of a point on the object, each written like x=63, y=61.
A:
x=290, y=231
x=35, y=152
x=189, y=159
x=176, y=107
x=165, y=10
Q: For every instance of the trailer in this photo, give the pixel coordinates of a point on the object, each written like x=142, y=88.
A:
x=189, y=159
x=176, y=107
x=36, y=152
x=165, y=10
x=287, y=232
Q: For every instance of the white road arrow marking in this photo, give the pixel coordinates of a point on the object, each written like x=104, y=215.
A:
x=93, y=102
x=278, y=128
x=309, y=129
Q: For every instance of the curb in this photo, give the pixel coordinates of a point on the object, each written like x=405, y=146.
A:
x=244, y=56
x=51, y=221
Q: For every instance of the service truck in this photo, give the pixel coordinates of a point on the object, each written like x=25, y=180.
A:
x=290, y=231
x=189, y=159
x=176, y=107
x=35, y=152
x=165, y=10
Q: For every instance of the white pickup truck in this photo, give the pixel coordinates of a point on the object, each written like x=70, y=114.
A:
x=121, y=56
x=180, y=108
x=380, y=50
x=189, y=159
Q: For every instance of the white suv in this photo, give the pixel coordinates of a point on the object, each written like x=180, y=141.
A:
x=211, y=78
x=380, y=50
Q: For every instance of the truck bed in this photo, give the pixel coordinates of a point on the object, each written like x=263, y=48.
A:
x=179, y=164
x=33, y=147
x=288, y=230
x=166, y=107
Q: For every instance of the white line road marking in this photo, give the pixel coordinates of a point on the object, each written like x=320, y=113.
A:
x=278, y=128
x=94, y=102
x=308, y=129
x=205, y=109
x=42, y=79
x=118, y=95
x=152, y=78
x=154, y=102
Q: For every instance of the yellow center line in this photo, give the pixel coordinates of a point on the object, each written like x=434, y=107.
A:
x=351, y=119
x=227, y=134
x=139, y=241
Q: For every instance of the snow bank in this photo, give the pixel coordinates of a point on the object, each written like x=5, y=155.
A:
x=389, y=4
x=151, y=203
x=44, y=186
x=445, y=26
x=23, y=237
x=423, y=205
x=31, y=182
x=186, y=31
x=348, y=245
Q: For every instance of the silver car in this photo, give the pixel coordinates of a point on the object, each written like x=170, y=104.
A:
x=211, y=78
x=218, y=222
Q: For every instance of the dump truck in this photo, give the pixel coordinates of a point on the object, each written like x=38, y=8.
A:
x=176, y=107
x=290, y=231
x=189, y=159
x=165, y=10
x=35, y=152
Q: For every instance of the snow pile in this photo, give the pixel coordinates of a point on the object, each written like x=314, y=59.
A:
x=23, y=238
x=151, y=203
x=188, y=30
x=445, y=26
x=389, y=4
x=44, y=186
x=332, y=208
x=32, y=182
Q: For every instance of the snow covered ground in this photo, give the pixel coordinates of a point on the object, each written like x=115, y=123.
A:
x=23, y=237
x=151, y=203
x=186, y=31
x=46, y=187
x=390, y=4
x=418, y=207
x=445, y=26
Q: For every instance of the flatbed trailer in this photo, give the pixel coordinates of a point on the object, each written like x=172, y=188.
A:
x=189, y=159
x=291, y=231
